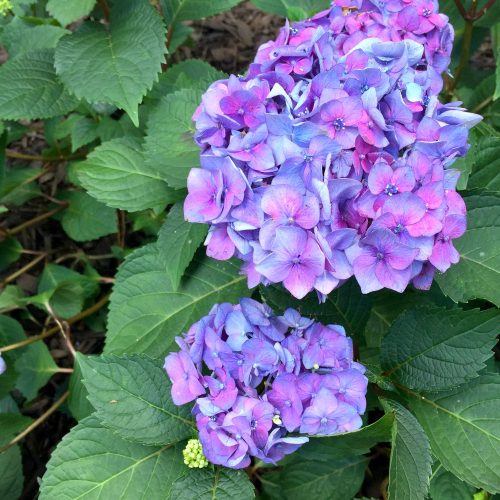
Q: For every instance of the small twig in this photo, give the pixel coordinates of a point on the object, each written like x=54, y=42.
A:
x=461, y=9
x=22, y=156
x=63, y=328
x=483, y=10
x=35, y=338
x=65, y=370
x=35, y=220
x=464, y=54
x=105, y=9
x=483, y=104
x=36, y=423
x=122, y=228
x=23, y=269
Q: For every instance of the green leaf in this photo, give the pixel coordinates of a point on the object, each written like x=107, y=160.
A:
x=388, y=305
x=35, y=367
x=176, y=11
x=177, y=243
x=446, y=486
x=287, y=7
x=10, y=251
x=169, y=143
x=192, y=73
x=485, y=171
x=357, y=442
x=91, y=462
x=463, y=426
x=436, y=349
x=116, y=66
x=131, y=395
x=84, y=131
x=213, y=483
x=17, y=186
x=346, y=306
x=19, y=36
x=496, y=95
x=12, y=424
x=147, y=312
x=410, y=465
x=78, y=403
x=115, y=174
x=86, y=218
x=30, y=89
x=67, y=11
x=478, y=273
x=336, y=479
x=11, y=478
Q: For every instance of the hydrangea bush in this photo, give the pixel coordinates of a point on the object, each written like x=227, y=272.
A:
x=199, y=270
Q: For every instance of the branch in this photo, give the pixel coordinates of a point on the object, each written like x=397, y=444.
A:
x=36, y=423
x=84, y=314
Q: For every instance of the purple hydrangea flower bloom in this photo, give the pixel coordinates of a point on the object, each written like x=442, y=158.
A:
x=382, y=261
x=3, y=366
x=256, y=389
x=336, y=117
x=185, y=378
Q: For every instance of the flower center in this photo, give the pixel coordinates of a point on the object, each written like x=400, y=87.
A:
x=391, y=189
x=426, y=12
x=398, y=229
x=380, y=256
x=339, y=124
x=364, y=88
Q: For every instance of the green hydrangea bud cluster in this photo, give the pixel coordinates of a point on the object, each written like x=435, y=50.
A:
x=193, y=455
x=5, y=6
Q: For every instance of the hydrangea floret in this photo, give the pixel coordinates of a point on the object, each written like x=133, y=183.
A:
x=260, y=380
x=3, y=365
x=333, y=156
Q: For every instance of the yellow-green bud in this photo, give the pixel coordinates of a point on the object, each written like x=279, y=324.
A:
x=5, y=6
x=481, y=495
x=193, y=455
x=316, y=366
x=277, y=420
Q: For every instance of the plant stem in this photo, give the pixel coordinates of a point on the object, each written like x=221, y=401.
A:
x=21, y=156
x=23, y=269
x=84, y=314
x=105, y=9
x=464, y=54
x=36, y=423
x=483, y=104
x=36, y=220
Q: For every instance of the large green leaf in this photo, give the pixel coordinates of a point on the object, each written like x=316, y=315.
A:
x=436, y=349
x=463, y=426
x=30, y=88
x=169, y=145
x=86, y=218
x=357, y=442
x=67, y=11
x=346, y=306
x=486, y=165
x=213, y=483
x=115, y=174
x=176, y=11
x=289, y=7
x=177, y=243
x=11, y=478
x=147, y=312
x=20, y=36
x=410, y=465
x=91, y=462
x=116, y=65
x=388, y=305
x=478, y=273
x=335, y=479
x=189, y=74
x=446, y=486
x=78, y=403
x=131, y=395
